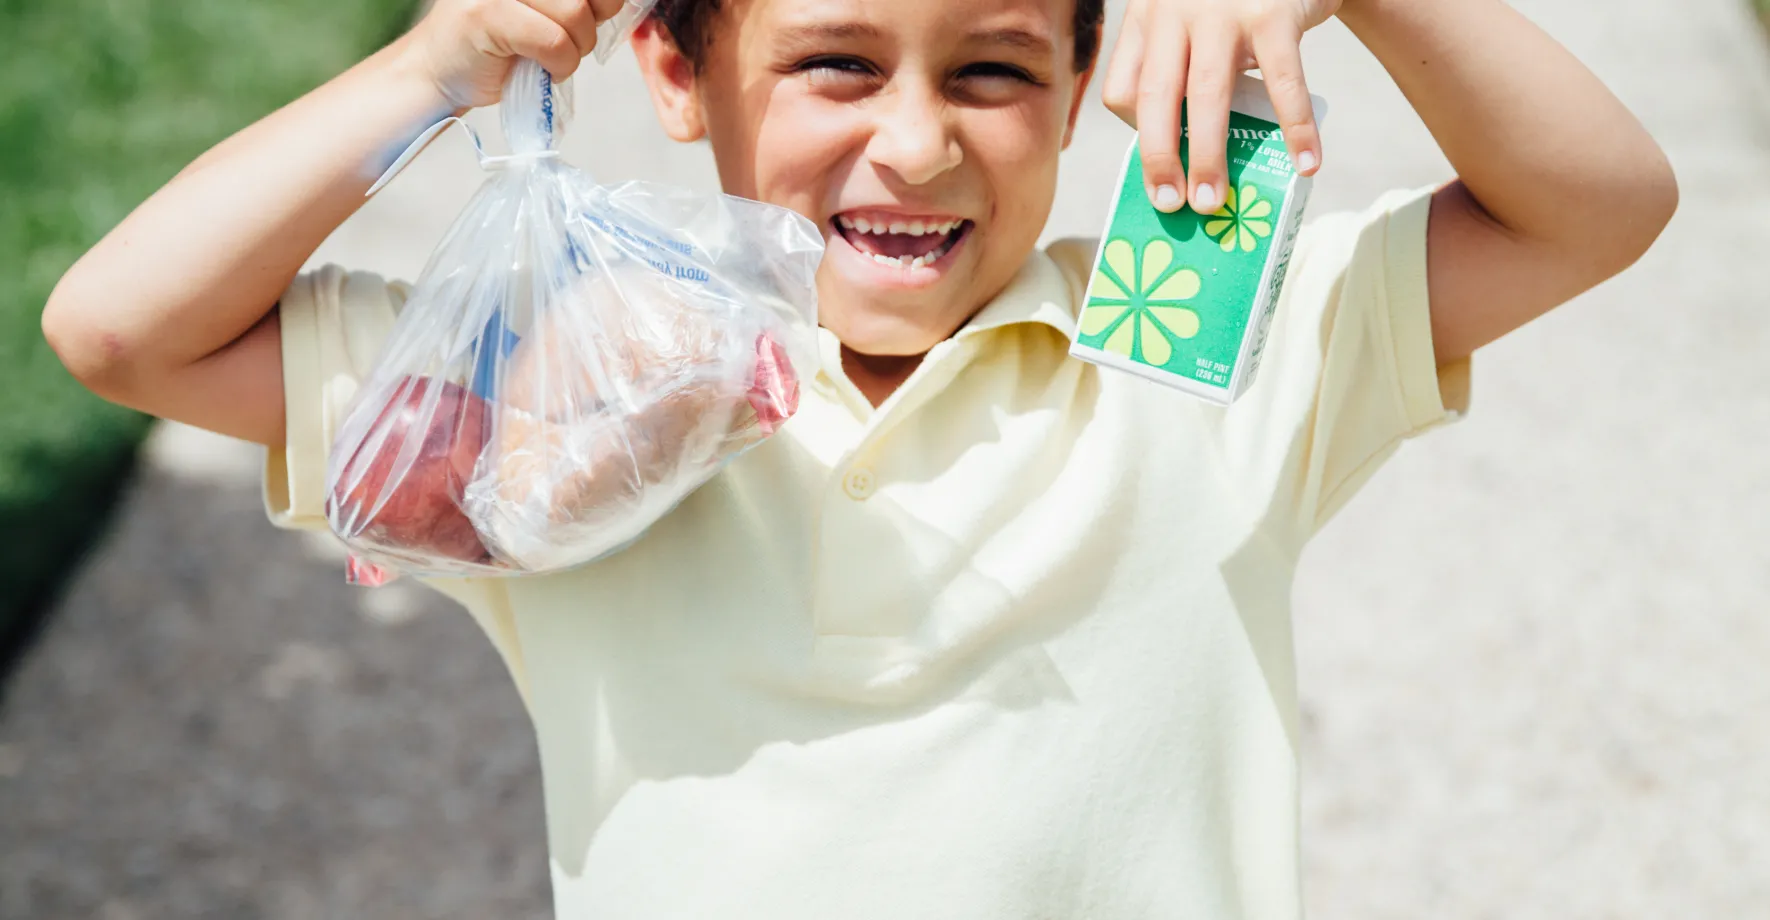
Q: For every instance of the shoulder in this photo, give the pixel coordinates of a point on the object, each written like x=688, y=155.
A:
x=1385, y=237
x=331, y=286
x=333, y=322
x=333, y=308
x=1391, y=228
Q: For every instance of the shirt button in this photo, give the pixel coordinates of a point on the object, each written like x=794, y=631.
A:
x=859, y=484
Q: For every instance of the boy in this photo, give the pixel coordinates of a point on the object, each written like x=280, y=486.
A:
x=985, y=632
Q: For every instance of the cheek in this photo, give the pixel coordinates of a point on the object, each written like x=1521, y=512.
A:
x=797, y=151
x=1016, y=151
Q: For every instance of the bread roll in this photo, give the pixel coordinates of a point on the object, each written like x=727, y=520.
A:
x=621, y=398
x=604, y=338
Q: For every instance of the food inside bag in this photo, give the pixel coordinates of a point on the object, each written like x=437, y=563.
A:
x=574, y=360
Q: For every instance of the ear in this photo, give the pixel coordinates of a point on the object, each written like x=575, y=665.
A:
x=670, y=76
x=1085, y=77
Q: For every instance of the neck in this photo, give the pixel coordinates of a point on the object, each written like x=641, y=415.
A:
x=878, y=376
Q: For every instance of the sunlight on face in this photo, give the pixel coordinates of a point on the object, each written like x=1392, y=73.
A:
x=921, y=135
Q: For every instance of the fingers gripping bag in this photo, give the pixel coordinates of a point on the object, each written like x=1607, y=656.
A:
x=573, y=361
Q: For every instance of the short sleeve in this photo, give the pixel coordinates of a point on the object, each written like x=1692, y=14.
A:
x=1350, y=372
x=332, y=323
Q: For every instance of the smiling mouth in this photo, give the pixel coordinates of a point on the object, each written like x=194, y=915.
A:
x=898, y=243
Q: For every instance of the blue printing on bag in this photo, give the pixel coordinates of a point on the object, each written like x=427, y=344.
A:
x=493, y=345
x=547, y=104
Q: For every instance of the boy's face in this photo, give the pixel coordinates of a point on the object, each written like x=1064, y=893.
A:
x=921, y=135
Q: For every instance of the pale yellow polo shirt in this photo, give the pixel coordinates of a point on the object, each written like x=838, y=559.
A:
x=1016, y=644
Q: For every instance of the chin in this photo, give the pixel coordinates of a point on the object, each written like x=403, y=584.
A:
x=883, y=336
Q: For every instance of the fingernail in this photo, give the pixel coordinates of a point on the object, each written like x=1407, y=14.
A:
x=1306, y=161
x=1206, y=196
x=1167, y=198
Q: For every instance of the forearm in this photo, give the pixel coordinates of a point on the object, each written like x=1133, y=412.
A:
x=1540, y=144
x=202, y=261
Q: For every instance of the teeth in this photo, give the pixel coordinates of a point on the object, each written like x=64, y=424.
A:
x=911, y=228
x=904, y=263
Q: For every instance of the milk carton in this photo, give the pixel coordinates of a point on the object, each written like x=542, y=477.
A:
x=1186, y=299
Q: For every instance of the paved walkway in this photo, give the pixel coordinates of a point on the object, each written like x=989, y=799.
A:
x=1532, y=651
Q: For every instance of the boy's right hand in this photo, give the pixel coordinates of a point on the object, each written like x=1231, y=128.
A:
x=465, y=48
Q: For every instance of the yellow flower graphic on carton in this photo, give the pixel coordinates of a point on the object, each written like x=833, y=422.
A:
x=1241, y=221
x=1136, y=297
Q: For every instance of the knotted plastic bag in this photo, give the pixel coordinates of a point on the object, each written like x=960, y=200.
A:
x=573, y=361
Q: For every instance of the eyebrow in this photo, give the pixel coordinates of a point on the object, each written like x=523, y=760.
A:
x=1013, y=38
x=816, y=33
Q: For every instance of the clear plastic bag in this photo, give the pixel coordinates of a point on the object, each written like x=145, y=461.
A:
x=574, y=360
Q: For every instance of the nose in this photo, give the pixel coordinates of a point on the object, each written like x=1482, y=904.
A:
x=912, y=137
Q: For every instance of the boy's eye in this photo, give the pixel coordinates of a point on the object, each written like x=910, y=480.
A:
x=991, y=83
x=836, y=70
x=996, y=70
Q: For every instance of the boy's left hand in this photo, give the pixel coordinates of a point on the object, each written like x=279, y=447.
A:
x=1169, y=50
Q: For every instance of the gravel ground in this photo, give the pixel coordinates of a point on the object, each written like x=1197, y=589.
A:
x=1531, y=652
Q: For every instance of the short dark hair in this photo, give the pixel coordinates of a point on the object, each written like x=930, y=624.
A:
x=688, y=22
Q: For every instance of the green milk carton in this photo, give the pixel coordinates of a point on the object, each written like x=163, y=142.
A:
x=1186, y=299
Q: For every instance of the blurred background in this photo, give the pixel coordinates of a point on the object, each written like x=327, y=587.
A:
x=1532, y=651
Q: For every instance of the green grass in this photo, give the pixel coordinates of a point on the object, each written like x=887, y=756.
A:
x=101, y=101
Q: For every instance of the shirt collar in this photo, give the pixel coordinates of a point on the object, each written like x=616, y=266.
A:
x=1041, y=292
x=1048, y=289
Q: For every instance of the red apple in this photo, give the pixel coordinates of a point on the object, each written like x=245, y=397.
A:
x=422, y=511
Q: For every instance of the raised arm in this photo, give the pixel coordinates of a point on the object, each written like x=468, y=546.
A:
x=1559, y=187
x=173, y=311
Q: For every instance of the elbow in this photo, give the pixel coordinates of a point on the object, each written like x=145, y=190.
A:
x=1665, y=188
x=97, y=357
x=1647, y=208
x=1659, y=201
